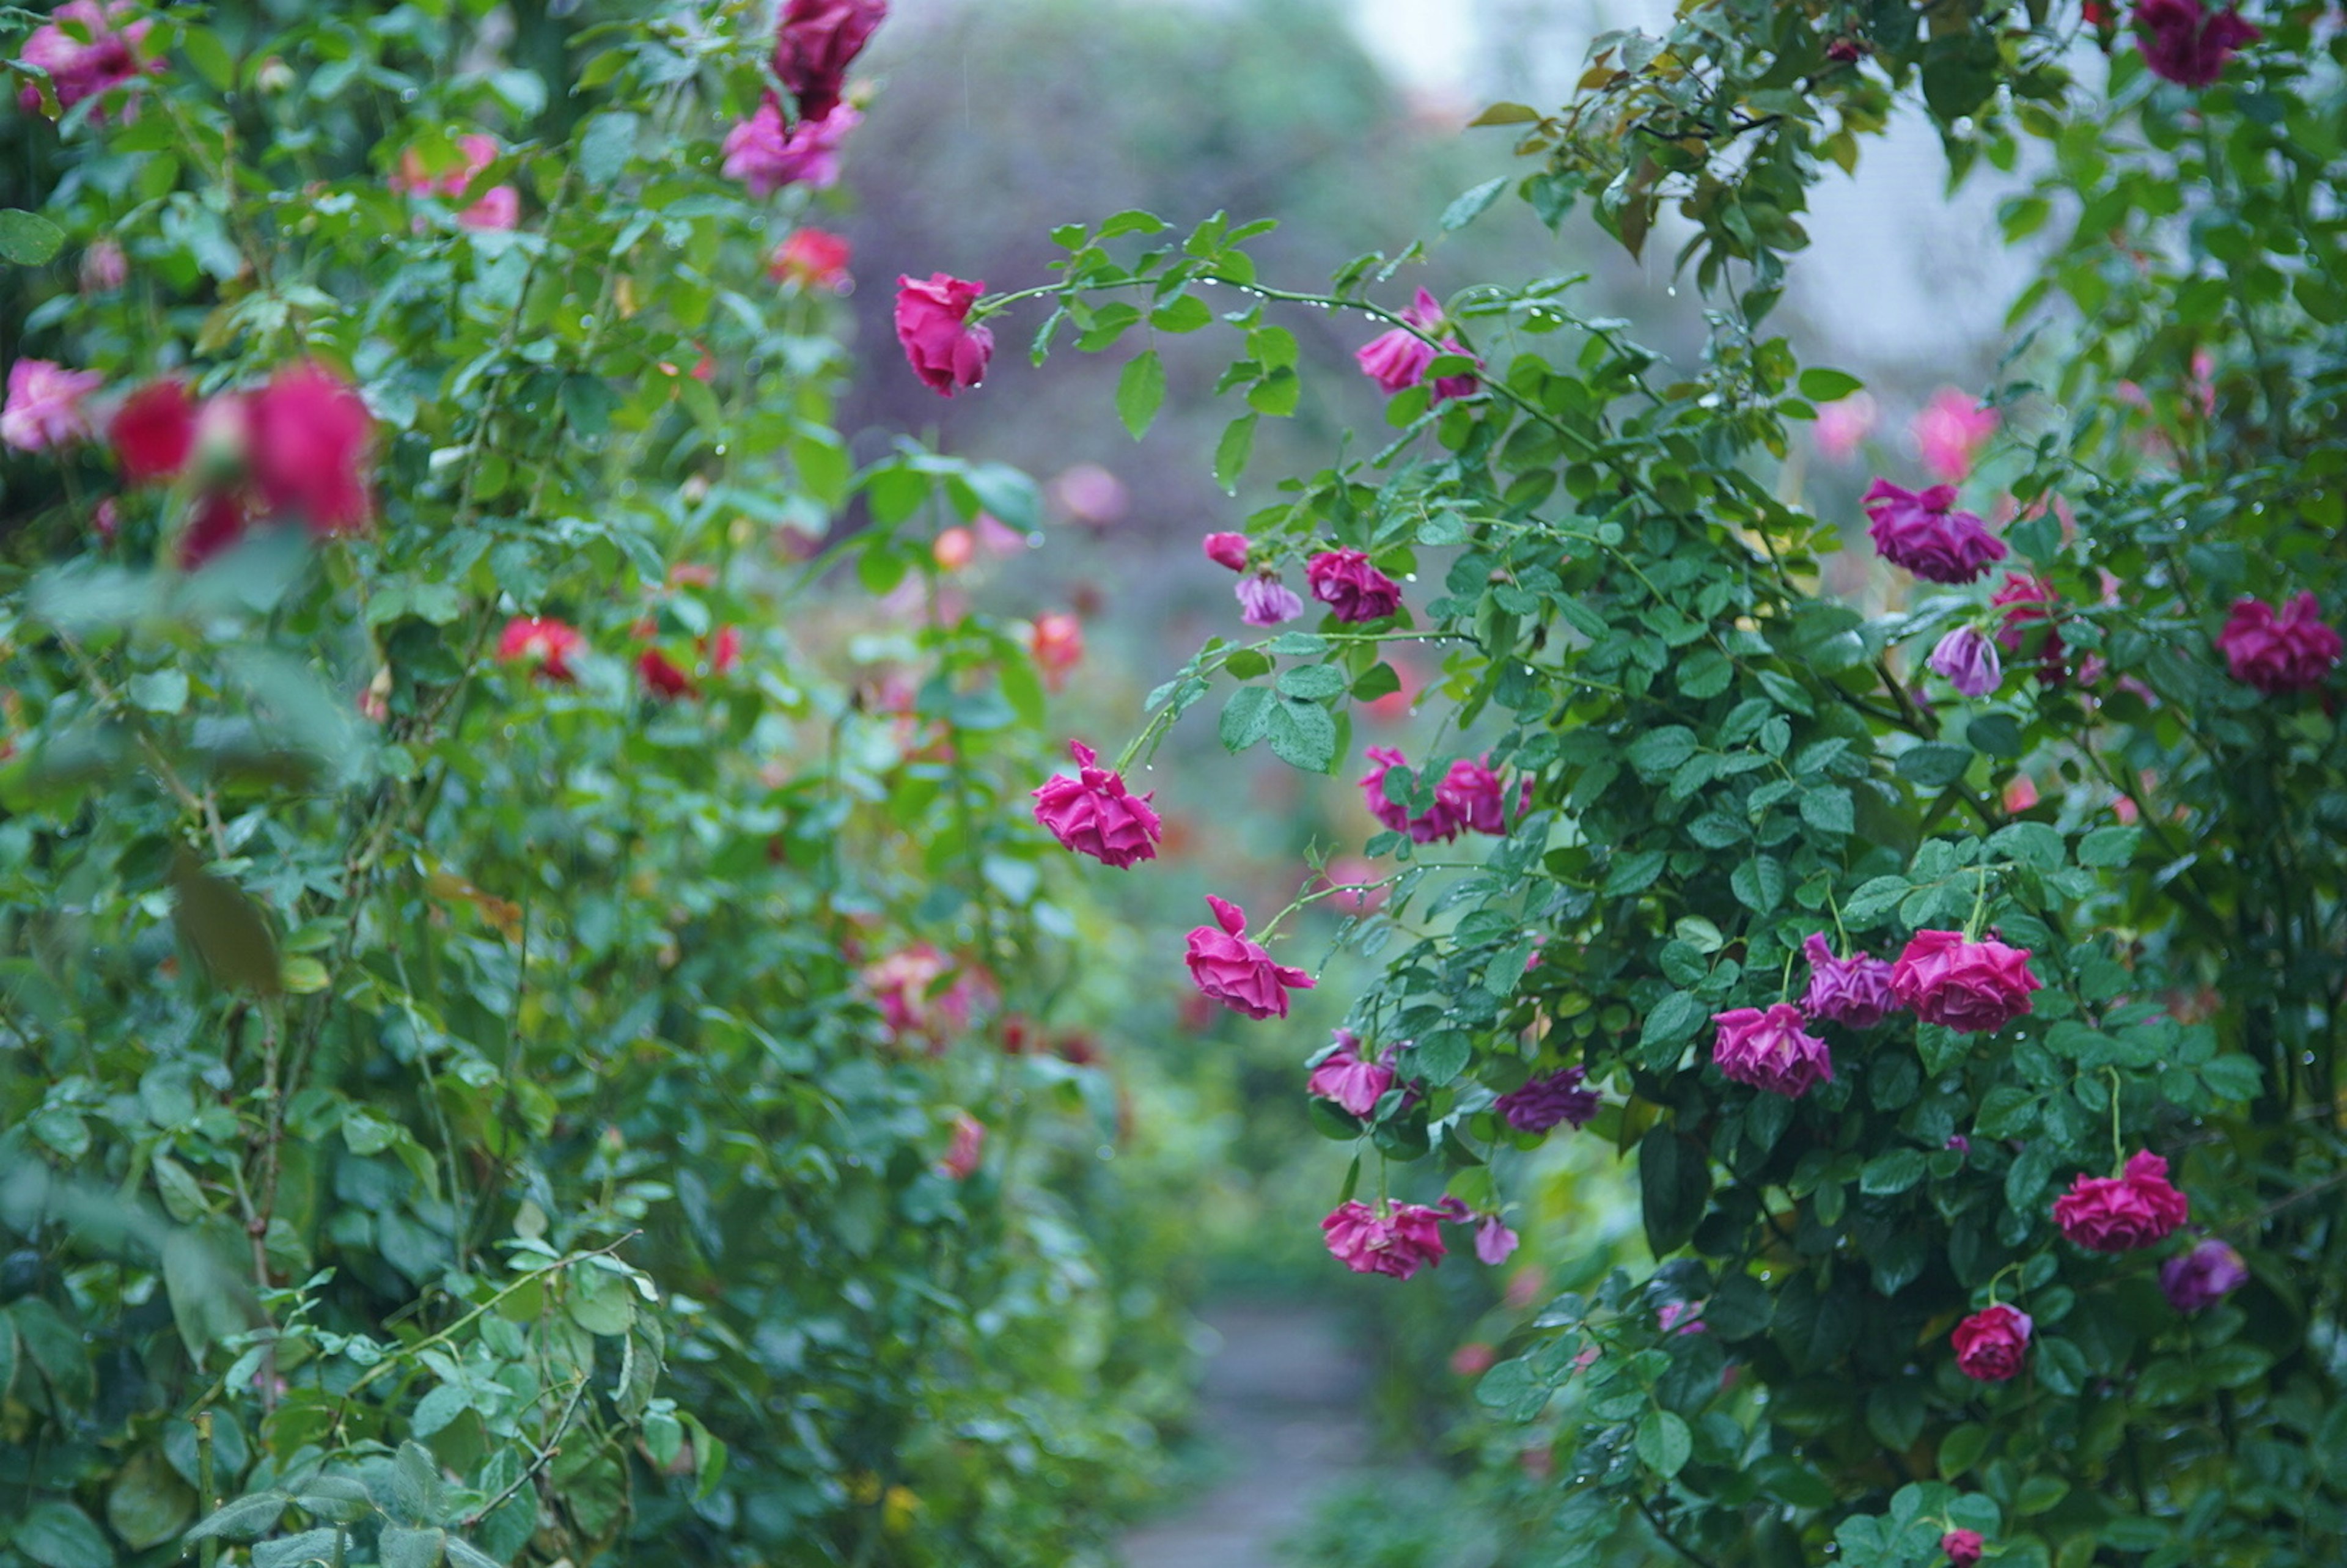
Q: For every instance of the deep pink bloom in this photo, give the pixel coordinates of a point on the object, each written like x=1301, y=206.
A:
x=1397, y=359
x=154, y=431
x=1992, y=1343
x=1949, y=431
x=1547, y=1100
x=662, y=678
x=1969, y=660
x=310, y=447
x=44, y=408
x=1925, y=533
x=2277, y=653
x=1439, y=821
x=1265, y=600
x=1964, y=1547
x=1396, y=1243
x=1455, y=386
x=1238, y=973
x=1349, y=1078
x=1683, y=1315
x=933, y=324
x=1473, y=793
x=1854, y=991
x=2028, y=601
x=1350, y=587
x=217, y=523
x=79, y=70
x=765, y=154
x=812, y=259
x=1092, y=814
x=1843, y=426
x=969, y=1147
x=1227, y=551
x=2122, y=1213
x=1973, y=986
x=545, y=643
x=2203, y=1276
x=725, y=650
x=1769, y=1051
x=2185, y=42
x=815, y=44
x=1494, y=1242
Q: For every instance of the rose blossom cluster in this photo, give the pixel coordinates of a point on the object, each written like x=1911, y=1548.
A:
x=297, y=448
x=1399, y=1239
x=814, y=45
x=1469, y=798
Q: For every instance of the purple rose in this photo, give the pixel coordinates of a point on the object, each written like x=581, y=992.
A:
x=2203, y=1276
x=1926, y=534
x=1349, y=586
x=1969, y=662
x=1769, y=1051
x=1855, y=991
x=1546, y=1101
x=1265, y=600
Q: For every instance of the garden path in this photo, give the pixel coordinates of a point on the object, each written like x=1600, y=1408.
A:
x=1283, y=1409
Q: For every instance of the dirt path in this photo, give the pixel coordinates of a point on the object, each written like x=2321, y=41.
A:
x=1281, y=1407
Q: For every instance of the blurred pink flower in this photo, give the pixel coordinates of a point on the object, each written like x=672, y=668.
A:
x=1950, y=432
x=1844, y=425
x=969, y=1147
x=44, y=406
x=79, y=70
x=1265, y=600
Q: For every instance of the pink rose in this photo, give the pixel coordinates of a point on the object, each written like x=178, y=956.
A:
x=1092, y=814
x=546, y=645
x=2028, y=601
x=968, y=1149
x=1854, y=991
x=1439, y=821
x=1237, y=973
x=216, y=523
x=2122, y=1213
x=2292, y=651
x=1977, y=987
x=1547, y=1100
x=1265, y=600
x=1969, y=662
x=1949, y=431
x=1964, y=1547
x=44, y=406
x=1494, y=1242
x=1473, y=793
x=1843, y=426
x=1396, y=1240
x=1350, y=587
x=312, y=437
x=1351, y=1079
x=1227, y=551
x=104, y=267
x=766, y=155
x=817, y=41
x=1926, y=534
x=1992, y=1343
x=812, y=259
x=932, y=323
x=78, y=70
x=498, y=207
x=1768, y=1050
x=2183, y=41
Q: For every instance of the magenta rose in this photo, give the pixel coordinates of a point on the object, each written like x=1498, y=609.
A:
x=1977, y=987
x=1494, y=1242
x=1475, y=795
x=1439, y=821
x=1397, y=1242
x=1768, y=1050
x=2279, y=653
x=113, y=57
x=1926, y=534
x=312, y=444
x=1395, y=360
x=1238, y=973
x=766, y=155
x=2203, y=1276
x=2122, y=1213
x=1855, y=991
x=1350, y=587
x=2030, y=602
x=1964, y=1547
x=1547, y=1100
x=2187, y=43
x=1227, y=551
x=817, y=41
x=933, y=324
x=1093, y=813
x=1992, y=1344
x=1353, y=1080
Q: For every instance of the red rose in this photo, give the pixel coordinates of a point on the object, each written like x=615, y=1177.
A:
x=932, y=322
x=661, y=677
x=812, y=259
x=1992, y=1343
x=311, y=434
x=1238, y=973
x=816, y=43
x=546, y=643
x=2123, y=1212
x=1973, y=986
x=154, y=431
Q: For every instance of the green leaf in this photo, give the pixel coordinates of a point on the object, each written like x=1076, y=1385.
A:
x=1132, y=221
x=1140, y=392
x=243, y=1518
x=1276, y=393
x=149, y=1503
x=1182, y=314
x=311, y=1546
x=1303, y=734
x=401, y=1548
x=1473, y=204
x=1933, y=764
x=1674, y=1185
x=27, y=238
x=1246, y=718
x=1893, y=1171
x=1820, y=384
x=2110, y=846
x=59, y=1535
x=1672, y=1021
x=466, y=1556
x=1230, y=453
x=1313, y=683
x=1828, y=810
x=1664, y=1443
x=1441, y=1056
x=210, y=57
x=160, y=691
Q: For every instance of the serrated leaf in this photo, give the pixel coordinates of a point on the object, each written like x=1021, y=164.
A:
x=27, y=238
x=1664, y=1443
x=1246, y=717
x=311, y=1546
x=1473, y=204
x=1140, y=392
x=2110, y=846
x=1230, y=453
x=1302, y=734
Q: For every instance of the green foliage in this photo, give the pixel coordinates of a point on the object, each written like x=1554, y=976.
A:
x=450, y=1114
x=1724, y=761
